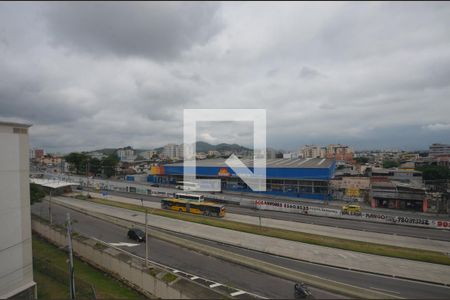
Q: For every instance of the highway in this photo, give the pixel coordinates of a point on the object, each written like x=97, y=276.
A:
x=180, y=258
x=427, y=233
x=238, y=276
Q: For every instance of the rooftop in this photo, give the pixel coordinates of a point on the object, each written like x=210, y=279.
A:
x=14, y=124
x=317, y=163
x=53, y=184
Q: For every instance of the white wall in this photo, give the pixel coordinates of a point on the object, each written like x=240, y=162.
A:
x=16, y=270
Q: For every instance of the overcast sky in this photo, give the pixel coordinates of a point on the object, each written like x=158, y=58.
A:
x=94, y=75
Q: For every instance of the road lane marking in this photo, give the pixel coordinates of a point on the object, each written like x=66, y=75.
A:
x=121, y=244
x=383, y=290
x=237, y=293
x=215, y=285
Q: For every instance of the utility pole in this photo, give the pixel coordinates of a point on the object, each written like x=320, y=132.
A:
x=146, y=239
x=50, y=207
x=87, y=178
x=71, y=272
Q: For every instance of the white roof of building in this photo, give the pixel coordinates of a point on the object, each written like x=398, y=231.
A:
x=50, y=183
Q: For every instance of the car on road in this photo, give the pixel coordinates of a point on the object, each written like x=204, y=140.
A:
x=351, y=209
x=136, y=234
x=155, y=185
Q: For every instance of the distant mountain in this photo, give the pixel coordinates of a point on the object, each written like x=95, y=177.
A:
x=205, y=147
x=201, y=147
x=106, y=151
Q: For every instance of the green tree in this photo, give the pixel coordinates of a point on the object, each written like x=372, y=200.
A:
x=78, y=162
x=362, y=160
x=109, y=164
x=36, y=193
x=95, y=165
x=390, y=164
x=434, y=172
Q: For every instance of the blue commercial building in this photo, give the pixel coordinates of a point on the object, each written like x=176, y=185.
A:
x=300, y=178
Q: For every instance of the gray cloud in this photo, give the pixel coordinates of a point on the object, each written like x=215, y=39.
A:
x=113, y=74
x=309, y=73
x=158, y=30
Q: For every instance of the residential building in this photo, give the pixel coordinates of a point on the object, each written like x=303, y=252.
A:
x=439, y=150
x=173, y=151
x=201, y=155
x=339, y=152
x=50, y=160
x=213, y=153
x=271, y=153
x=96, y=154
x=126, y=154
x=312, y=151
x=16, y=262
x=148, y=154
x=36, y=153
x=290, y=155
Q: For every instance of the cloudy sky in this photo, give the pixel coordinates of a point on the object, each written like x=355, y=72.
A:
x=94, y=75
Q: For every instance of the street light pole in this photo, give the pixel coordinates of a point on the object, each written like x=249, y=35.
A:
x=146, y=238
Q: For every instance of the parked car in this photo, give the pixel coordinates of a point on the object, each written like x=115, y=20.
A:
x=136, y=234
x=155, y=185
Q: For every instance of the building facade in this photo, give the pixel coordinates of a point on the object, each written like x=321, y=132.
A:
x=312, y=151
x=16, y=262
x=439, y=150
x=297, y=178
x=173, y=151
x=126, y=154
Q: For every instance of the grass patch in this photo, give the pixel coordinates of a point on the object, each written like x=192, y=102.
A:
x=100, y=246
x=51, y=274
x=48, y=288
x=169, y=277
x=153, y=271
x=81, y=197
x=320, y=240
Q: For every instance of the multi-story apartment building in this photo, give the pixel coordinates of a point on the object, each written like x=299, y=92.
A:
x=439, y=150
x=148, y=154
x=36, y=153
x=126, y=154
x=16, y=263
x=312, y=151
x=213, y=153
x=97, y=155
x=173, y=151
x=339, y=152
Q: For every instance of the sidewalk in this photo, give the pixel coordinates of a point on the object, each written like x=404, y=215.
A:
x=356, y=235
x=311, y=253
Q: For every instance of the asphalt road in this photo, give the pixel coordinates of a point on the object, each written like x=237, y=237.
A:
x=239, y=276
x=181, y=258
x=428, y=233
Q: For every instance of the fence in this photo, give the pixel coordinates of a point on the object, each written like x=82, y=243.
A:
x=84, y=289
